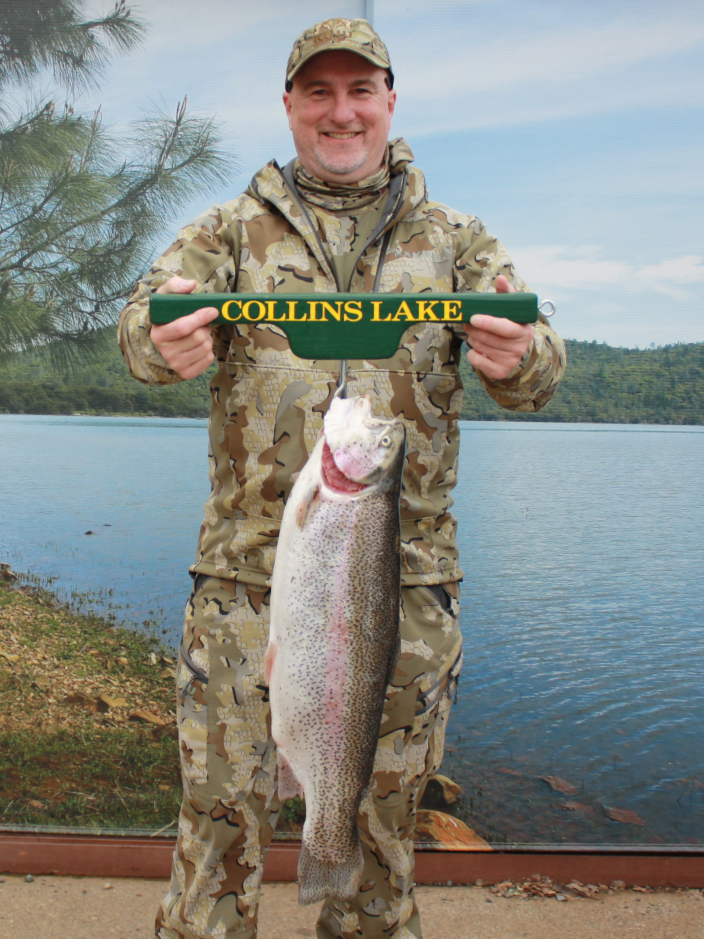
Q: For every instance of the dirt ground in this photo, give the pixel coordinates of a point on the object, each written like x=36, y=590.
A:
x=91, y=908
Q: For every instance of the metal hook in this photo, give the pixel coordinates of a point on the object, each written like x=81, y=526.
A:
x=547, y=308
x=342, y=380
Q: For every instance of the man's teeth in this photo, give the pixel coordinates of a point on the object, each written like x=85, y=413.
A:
x=329, y=133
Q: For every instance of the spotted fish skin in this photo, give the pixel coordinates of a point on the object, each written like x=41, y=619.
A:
x=334, y=634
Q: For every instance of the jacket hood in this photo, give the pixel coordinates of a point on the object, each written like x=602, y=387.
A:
x=269, y=185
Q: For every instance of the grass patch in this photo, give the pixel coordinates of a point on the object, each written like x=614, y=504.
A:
x=88, y=729
x=88, y=735
x=90, y=778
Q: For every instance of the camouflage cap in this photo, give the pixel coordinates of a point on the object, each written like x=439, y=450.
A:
x=353, y=35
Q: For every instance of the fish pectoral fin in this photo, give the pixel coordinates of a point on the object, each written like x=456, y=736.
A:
x=319, y=879
x=304, y=505
x=289, y=786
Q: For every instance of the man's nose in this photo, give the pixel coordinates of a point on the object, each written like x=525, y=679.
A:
x=342, y=111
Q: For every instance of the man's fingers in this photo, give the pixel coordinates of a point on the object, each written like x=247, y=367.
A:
x=482, y=341
x=187, y=342
x=499, y=355
x=198, y=366
x=184, y=361
x=177, y=285
x=502, y=285
x=498, y=326
x=489, y=367
x=187, y=350
x=496, y=348
x=184, y=326
x=498, y=344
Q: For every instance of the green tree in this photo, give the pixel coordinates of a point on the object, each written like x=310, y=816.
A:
x=78, y=218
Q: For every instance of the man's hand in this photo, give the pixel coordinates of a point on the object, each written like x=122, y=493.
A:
x=186, y=343
x=497, y=344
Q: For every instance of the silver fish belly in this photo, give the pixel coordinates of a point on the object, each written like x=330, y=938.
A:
x=334, y=634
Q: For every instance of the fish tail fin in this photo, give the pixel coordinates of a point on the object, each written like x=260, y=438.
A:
x=289, y=786
x=319, y=879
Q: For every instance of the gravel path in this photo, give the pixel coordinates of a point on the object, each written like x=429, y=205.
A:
x=86, y=908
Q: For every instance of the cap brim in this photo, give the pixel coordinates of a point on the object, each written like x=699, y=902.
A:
x=344, y=47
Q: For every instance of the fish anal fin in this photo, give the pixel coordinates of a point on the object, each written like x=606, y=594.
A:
x=319, y=879
x=289, y=786
x=269, y=657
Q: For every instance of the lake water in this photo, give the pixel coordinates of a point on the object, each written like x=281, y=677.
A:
x=581, y=604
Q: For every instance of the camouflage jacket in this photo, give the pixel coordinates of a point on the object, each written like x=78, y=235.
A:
x=268, y=405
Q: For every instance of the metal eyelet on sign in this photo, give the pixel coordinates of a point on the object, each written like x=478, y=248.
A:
x=547, y=308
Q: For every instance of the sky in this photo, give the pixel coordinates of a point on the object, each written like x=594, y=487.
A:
x=572, y=129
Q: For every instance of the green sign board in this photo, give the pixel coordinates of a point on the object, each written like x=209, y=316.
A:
x=349, y=325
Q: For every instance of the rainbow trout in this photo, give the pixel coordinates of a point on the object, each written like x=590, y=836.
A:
x=334, y=634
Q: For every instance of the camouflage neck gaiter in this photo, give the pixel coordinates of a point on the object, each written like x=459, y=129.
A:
x=338, y=197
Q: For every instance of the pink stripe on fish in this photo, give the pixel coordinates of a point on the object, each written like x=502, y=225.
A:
x=337, y=662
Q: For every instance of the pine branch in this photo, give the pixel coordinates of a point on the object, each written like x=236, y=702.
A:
x=79, y=220
x=37, y=34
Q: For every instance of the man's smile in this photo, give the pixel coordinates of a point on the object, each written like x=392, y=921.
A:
x=347, y=135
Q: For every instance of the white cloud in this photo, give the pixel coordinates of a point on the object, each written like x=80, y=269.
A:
x=575, y=61
x=460, y=65
x=550, y=267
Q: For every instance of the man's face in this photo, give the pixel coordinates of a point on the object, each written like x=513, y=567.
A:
x=339, y=111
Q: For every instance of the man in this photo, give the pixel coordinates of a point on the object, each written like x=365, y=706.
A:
x=349, y=214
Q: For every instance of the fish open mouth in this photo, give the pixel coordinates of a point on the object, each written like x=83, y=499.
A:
x=334, y=478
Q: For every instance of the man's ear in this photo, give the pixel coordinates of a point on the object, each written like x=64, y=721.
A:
x=392, y=101
x=287, y=105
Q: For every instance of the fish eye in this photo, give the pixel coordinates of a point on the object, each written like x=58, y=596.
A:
x=385, y=441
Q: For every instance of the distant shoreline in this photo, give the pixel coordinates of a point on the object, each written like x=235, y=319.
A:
x=498, y=419
x=602, y=384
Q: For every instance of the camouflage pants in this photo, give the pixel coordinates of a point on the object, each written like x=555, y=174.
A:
x=228, y=761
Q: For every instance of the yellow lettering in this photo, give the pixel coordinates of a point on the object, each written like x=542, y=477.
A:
x=271, y=311
x=376, y=317
x=354, y=307
x=226, y=310
x=425, y=307
x=452, y=310
x=328, y=308
x=292, y=318
x=261, y=311
x=403, y=310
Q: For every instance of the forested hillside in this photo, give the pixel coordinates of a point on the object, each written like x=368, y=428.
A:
x=30, y=385
x=602, y=384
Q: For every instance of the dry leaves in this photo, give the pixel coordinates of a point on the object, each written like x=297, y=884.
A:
x=560, y=785
x=578, y=807
x=537, y=886
x=45, y=688
x=447, y=833
x=147, y=717
x=451, y=791
x=625, y=816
